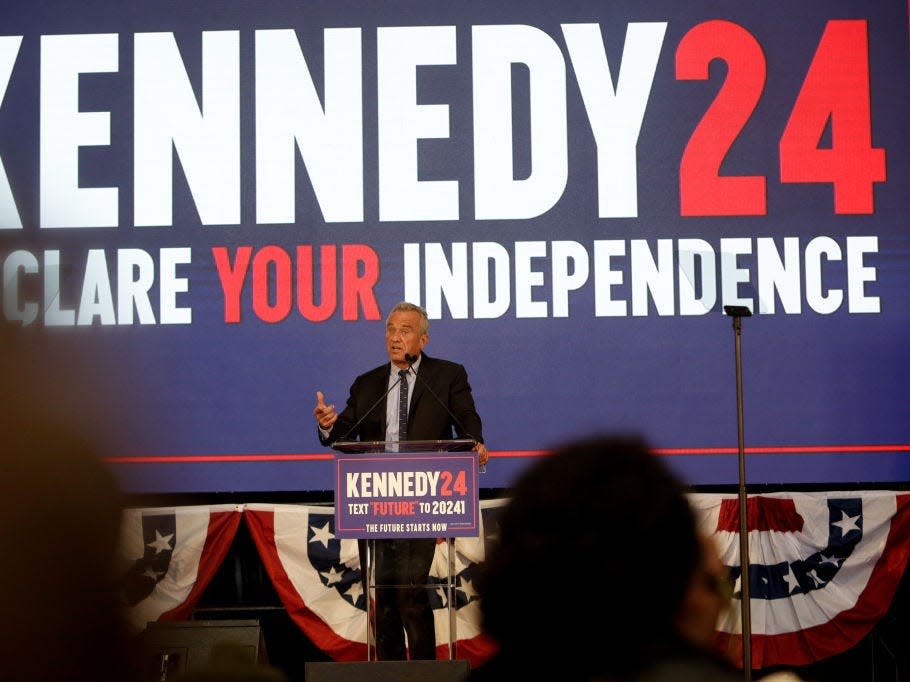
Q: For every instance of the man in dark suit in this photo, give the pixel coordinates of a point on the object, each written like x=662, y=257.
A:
x=441, y=391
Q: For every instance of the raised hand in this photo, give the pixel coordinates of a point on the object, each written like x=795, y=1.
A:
x=325, y=414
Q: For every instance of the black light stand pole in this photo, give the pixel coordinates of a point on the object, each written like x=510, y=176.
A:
x=737, y=313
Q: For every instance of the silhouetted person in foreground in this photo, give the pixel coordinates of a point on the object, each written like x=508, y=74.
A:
x=601, y=574
x=61, y=516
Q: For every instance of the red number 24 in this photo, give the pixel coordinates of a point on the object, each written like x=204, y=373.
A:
x=835, y=89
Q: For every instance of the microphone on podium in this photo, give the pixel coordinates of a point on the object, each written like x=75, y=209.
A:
x=411, y=359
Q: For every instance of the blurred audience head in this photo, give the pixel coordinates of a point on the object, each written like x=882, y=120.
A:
x=599, y=567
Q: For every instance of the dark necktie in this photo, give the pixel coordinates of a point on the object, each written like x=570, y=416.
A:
x=403, y=405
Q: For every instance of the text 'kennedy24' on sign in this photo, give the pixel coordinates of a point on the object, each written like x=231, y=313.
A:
x=406, y=496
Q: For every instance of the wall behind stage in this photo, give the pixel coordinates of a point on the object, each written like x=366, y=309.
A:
x=213, y=206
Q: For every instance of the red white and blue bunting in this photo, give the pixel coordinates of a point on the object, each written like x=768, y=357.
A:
x=823, y=570
x=170, y=555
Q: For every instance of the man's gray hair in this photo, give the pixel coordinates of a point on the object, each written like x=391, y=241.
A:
x=406, y=307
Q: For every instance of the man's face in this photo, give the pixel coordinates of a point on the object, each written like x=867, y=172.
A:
x=403, y=336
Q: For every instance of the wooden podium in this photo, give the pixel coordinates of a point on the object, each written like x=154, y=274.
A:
x=409, y=489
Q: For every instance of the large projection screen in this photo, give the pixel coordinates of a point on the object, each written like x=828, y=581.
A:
x=209, y=208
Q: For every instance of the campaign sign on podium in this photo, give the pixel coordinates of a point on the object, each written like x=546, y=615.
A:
x=414, y=489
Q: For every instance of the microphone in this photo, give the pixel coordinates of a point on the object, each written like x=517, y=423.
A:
x=367, y=413
x=411, y=359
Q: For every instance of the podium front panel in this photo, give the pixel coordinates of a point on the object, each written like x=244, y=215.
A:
x=406, y=495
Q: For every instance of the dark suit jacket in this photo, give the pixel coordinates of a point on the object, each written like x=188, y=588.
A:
x=427, y=418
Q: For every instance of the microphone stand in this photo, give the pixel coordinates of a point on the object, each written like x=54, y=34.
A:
x=365, y=414
x=737, y=313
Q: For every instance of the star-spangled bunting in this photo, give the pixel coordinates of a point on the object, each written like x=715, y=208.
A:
x=318, y=579
x=169, y=556
x=823, y=570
